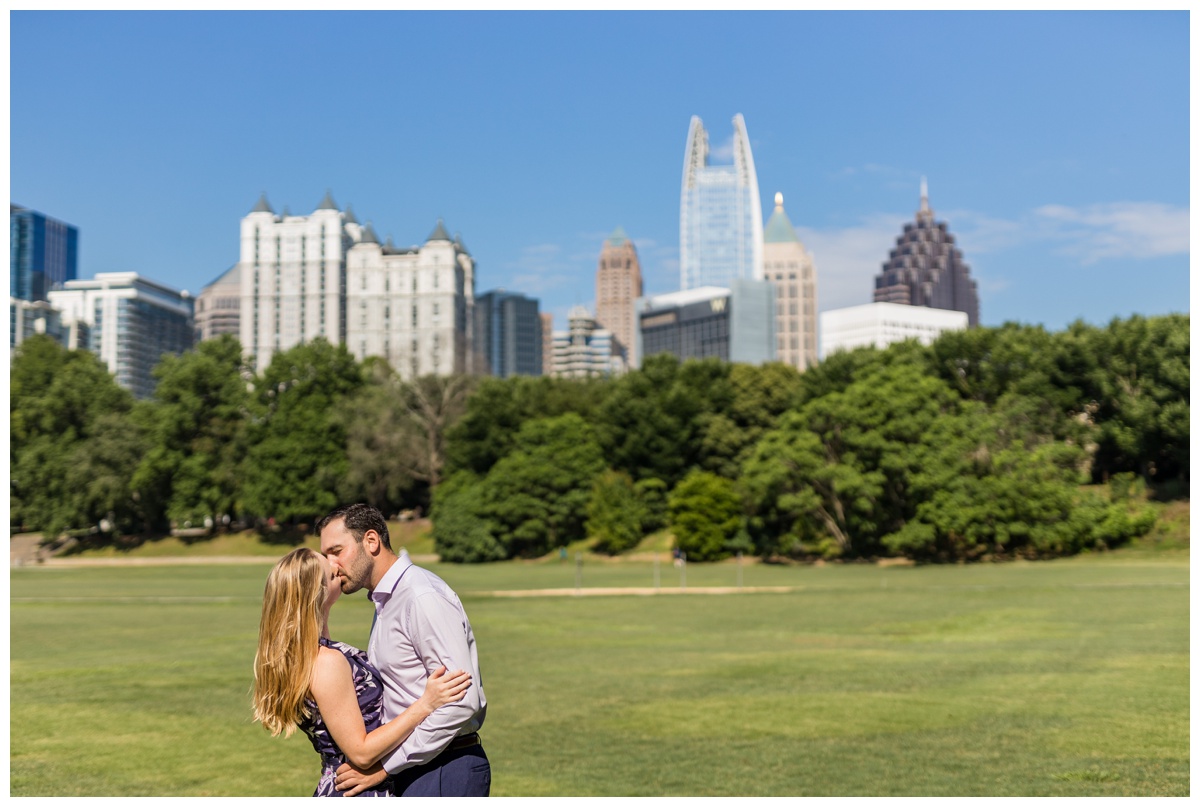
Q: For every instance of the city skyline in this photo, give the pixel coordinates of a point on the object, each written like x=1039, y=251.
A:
x=1056, y=144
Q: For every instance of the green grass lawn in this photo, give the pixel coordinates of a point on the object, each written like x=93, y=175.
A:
x=1066, y=677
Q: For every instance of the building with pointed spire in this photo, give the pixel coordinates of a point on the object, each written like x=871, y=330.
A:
x=789, y=266
x=414, y=306
x=720, y=215
x=926, y=268
x=618, y=285
x=292, y=271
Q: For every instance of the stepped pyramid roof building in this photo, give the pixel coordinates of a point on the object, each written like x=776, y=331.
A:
x=926, y=268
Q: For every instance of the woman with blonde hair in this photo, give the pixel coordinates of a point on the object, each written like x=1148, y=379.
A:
x=328, y=689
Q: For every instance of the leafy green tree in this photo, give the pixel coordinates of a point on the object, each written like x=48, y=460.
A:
x=461, y=534
x=1141, y=385
x=705, y=514
x=71, y=442
x=990, y=486
x=297, y=452
x=197, y=432
x=396, y=435
x=538, y=494
x=837, y=471
x=496, y=410
x=615, y=514
x=652, y=496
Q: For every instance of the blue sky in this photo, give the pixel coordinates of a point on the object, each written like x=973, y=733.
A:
x=1056, y=145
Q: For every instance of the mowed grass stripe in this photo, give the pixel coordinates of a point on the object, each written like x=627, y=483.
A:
x=1064, y=678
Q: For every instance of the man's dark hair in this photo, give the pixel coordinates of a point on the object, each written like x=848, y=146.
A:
x=358, y=518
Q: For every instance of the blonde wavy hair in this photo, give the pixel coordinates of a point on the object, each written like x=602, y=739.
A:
x=288, y=641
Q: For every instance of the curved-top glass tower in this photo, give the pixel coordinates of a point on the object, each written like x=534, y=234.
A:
x=720, y=215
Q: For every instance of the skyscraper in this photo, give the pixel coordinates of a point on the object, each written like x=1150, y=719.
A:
x=618, y=284
x=926, y=268
x=507, y=334
x=720, y=215
x=788, y=265
x=43, y=253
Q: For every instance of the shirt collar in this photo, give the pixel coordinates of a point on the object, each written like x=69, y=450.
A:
x=391, y=578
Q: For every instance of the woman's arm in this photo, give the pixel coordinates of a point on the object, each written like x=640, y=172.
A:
x=333, y=690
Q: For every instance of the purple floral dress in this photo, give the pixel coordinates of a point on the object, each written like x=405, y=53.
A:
x=369, y=688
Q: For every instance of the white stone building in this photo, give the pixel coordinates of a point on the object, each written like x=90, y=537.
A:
x=881, y=324
x=411, y=306
x=326, y=275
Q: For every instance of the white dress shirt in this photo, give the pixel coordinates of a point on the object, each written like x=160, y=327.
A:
x=419, y=626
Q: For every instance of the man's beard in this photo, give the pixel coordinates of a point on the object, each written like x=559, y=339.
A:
x=358, y=574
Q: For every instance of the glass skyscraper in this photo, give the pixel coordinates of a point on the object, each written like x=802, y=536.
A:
x=720, y=215
x=508, y=334
x=42, y=253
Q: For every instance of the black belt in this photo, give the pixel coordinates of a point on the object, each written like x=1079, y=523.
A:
x=464, y=741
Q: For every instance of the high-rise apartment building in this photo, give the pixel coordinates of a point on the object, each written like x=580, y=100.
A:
x=43, y=253
x=618, y=285
x=720, y=215
x=507, y=334
x=927, y=269
x=788, y=265
x=129, y=321
x=585, y=349
x=293, y=278
x=219, y=306
x=326, y=275
x=414, y=305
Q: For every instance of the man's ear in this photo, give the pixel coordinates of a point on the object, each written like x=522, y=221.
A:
x=371, y=542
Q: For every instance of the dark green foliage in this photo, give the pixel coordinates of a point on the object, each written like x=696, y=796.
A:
x=615, y=514
x=538, y=494
x=837, y=472
x=197, y=427
x=652, y=495
x=1141, y=383
x=705, y=514
x=460, y=533
x=74, y=445
x=298, y=446
x=499, y=406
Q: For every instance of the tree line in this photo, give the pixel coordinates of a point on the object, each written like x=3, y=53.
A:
x=991, y=442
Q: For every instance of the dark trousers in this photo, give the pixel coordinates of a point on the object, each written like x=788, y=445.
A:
x=460, y=772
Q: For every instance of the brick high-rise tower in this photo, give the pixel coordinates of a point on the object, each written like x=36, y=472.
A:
x=618, y=284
